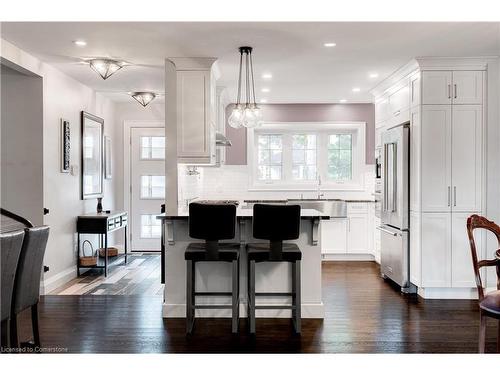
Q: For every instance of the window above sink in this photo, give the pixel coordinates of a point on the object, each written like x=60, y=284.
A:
x=305, y=156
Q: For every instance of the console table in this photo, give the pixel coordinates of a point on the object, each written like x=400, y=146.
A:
x=102, y=224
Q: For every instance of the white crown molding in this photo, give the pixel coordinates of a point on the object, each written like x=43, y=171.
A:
x=194, y=63
x=404, y=71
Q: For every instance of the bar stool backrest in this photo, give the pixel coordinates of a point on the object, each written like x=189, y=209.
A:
x=10, y=248
x=29, y=269
x=276, y=223
x=212, y=222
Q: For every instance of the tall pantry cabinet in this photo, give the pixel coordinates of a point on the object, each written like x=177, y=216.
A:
x=447, y=169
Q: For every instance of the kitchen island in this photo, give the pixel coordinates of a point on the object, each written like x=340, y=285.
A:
x=270, y=277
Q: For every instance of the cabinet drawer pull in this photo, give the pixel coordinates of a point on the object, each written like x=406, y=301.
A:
x=455, y=89
x=449, y=91
x=454, y=196
x=449, y=196
x=397, y=113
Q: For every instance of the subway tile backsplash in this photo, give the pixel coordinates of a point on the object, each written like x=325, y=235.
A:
x=232, y=182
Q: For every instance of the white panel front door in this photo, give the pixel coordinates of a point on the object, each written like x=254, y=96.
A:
x=147, y=180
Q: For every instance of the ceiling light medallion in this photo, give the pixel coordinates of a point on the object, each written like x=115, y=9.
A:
x=246, y=114
x=143, y=97
x=106, y=67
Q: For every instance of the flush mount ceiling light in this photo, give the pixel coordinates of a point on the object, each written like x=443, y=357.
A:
x=80, y=43
x=356, y=89
x=267, y=76
x=343, y=100
x=373, y=75
x=329, y=45
x=246, y=114
x=143, y=97
x=106, y=67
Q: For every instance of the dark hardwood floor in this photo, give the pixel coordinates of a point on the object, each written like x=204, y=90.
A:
x=364, y=314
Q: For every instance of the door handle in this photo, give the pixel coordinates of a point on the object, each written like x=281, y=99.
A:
x=454, y=196
x=449, y=91
x=449, y=196
x=455, y=90
x=382, y=229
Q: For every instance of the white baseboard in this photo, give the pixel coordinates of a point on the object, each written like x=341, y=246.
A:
x=448, y=293
x=309, y=311
x=347, y=257
x=59, y=279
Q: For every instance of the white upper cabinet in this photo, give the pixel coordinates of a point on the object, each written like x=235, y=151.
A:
x=467, y=87
x=436, y=158
x=195, y=117
x=381, y=110
x=415, y=158
x=436, y=87
x=415, y=90
x=399, y=101
x=457, y=87
x=466, y=157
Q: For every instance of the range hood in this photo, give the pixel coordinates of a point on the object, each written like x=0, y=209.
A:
x=221, y=140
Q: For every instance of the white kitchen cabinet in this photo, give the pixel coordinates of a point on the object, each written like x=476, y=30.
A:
x=436, y=158
x=334, y=236
x=357, y=233
x=399, y=101
x=415, y=248
x=466, y=154
x=376, y=239
x=467, y=87
x=436, y=87
x=457, y=87
x=415, y=90
x=436, y=249
x=415, y=157
x=462, y=272
x=381, y=110
x=195, y=114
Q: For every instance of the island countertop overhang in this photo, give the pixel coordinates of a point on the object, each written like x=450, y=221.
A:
x=245, y=213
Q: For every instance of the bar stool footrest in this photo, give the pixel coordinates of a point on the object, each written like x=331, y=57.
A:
x=274, y=307
x=206, y=307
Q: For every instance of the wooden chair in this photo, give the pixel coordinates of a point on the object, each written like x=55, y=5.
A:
x=489, y=304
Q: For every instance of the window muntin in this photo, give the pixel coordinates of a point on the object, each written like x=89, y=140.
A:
x=152, y=187
x=304, y=155
x=153, y=148
x=150, y=226
x=339, y=157
x=269, y=157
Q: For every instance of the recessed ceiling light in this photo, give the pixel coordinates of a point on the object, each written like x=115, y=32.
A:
x=80, y=43
x=373, y=75
x=356, y=89
x=265, y=89
x=263, y=100
x=329, y=44
x=267, y=76
x=343, y=100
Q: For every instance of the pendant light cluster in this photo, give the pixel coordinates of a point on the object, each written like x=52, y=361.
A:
x=247, y=114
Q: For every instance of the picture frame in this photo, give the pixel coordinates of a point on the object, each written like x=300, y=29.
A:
x=107, y=158
x=92, y=156
x=65, y=145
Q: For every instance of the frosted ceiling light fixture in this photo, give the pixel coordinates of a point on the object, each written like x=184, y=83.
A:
x=106, y=67
x=247, y=114
x=143, y=97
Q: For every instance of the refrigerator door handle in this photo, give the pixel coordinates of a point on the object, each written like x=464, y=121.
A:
x=382, y=229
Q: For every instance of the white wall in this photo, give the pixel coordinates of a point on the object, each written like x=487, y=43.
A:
x=22, y=144
x=64, y=97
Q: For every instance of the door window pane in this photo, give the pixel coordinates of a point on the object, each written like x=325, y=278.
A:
x=153, y=148
x=150, y=226
x=270, y=157
x=304, y=157
x=152, y=187
x=340, y=157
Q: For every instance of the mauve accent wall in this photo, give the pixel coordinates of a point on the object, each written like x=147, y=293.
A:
x=237, y=154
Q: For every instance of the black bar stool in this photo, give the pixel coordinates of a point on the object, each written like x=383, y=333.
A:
x=212, y=222
x=275, y=223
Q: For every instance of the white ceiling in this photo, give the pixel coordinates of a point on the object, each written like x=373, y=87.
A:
x=303, y=70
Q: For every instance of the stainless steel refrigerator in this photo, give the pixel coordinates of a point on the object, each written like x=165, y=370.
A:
x=395, y=231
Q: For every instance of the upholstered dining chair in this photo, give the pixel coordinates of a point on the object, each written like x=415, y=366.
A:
x=489, y=304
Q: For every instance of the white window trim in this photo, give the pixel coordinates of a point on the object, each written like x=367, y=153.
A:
x=357, y=128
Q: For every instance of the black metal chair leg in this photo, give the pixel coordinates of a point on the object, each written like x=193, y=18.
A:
x=298, y=299
x=189, y=296
x=235, y=296
x=34, y=323
x=251, y=296
x=5, y=340
x=14, y=339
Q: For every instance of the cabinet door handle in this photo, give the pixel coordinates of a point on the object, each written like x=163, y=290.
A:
x=449, y=196
x=455, y=90
x=449, y=91
x=397, y=113
x=454, y=196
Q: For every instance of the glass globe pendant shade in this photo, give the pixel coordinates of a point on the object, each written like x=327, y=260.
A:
x=235, y=120
x=249, y=118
